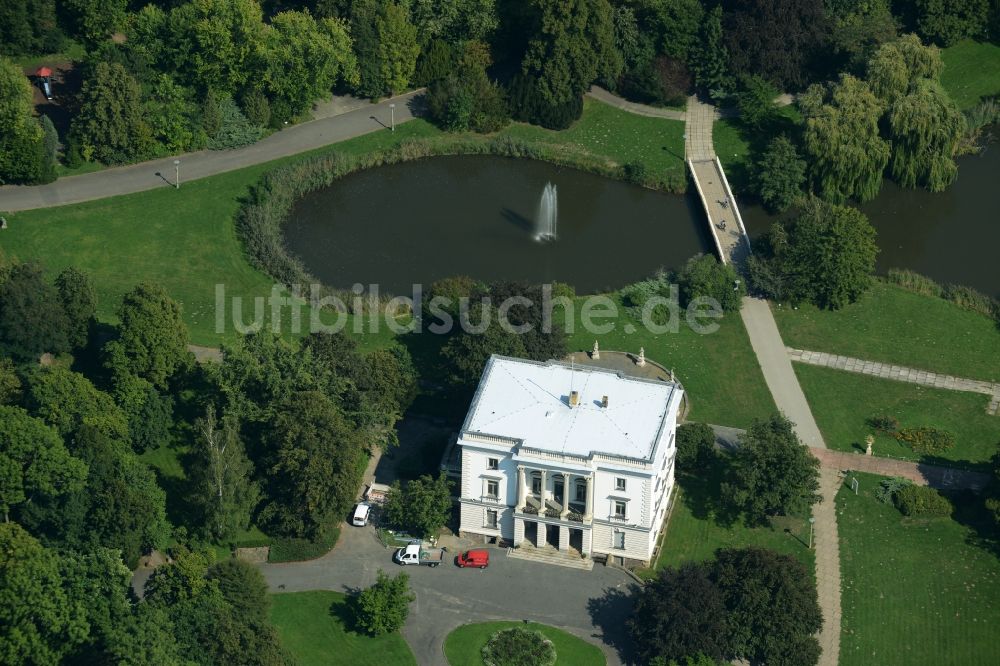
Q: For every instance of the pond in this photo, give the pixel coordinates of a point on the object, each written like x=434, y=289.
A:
x=417, y=222
x=952, y=236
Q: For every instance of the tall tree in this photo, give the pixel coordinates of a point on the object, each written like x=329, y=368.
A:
x=29, y=27
x=454, y=20
x=68, y=401
x=777, y=39
x=572, y=45
x=42, y=623
x=79, y=300
x=152, y=337
x=305, y=58
x=383, y=607
x=772, y=472
x=423, y=506
x=22, y=149
x=926, y=128
x=847, y=155
x=679, y=614
x=779, y=175
x=773, y=612
x=945, y=22
x=709, y=58
x=33, y=460
x=312, y=467
x=93, y=21
x=896, y=67
x=32, y=318
x=222, y=477
x=109, y=126
x=397, y=47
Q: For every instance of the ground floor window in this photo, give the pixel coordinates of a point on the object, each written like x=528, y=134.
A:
x=618, y=539
x=491, y=518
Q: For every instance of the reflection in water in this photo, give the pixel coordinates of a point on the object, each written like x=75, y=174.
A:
x=434, y=218
x=952, y=236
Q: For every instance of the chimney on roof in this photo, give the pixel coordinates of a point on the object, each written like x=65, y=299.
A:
x=574, y=398
x=604, y=402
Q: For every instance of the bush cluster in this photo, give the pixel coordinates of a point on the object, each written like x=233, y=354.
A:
x=914, y=500
x=884, y=423
x=517, y=646
x=926, y=439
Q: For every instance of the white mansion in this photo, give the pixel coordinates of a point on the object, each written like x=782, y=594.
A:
x=572, y=457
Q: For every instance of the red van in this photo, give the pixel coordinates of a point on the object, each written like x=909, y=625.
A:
x=474, y=558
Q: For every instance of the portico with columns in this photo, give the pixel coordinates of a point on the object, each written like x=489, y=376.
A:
x=573, y=461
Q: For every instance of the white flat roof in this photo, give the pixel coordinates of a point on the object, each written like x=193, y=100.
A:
x=529, y=401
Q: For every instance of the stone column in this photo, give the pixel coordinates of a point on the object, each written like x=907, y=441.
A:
x=521, y=490
x=589, y=503
x=564, y=533
x=542, y=534
x=567, y=486
x=542, y=495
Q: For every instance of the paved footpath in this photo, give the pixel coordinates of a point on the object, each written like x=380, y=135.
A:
x=899, y=373
x=147, y=175
x=614, y=100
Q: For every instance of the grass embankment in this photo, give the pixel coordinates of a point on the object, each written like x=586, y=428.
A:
x=314, y=627
x=916, y=591
x=842, y=402
x=971, y=72
x=698, y=525
x=892, y=325
x=463, y=646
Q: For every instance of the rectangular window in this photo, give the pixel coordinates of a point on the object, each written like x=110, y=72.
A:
x=536, y=485
x=581, y=492
x=491, y=519
x=620, y=509
x=492, y=488
x=619, y=540
x=493, y=463
x=619, y=483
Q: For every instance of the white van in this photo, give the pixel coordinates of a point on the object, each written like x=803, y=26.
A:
x=360, y=518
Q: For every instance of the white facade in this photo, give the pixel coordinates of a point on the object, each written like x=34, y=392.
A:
x=535, y=427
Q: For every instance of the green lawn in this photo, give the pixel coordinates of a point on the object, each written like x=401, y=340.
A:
x=971, y=71
x=622, y=136
x=893, y=325
x=698, y=527
x=314, y=627
x=842, y=401
x=916, y=592
x=719, y=370
x=463, y=646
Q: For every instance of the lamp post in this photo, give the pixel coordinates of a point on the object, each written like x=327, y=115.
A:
x=177, y=174
x=812, y=521
x=392, y=117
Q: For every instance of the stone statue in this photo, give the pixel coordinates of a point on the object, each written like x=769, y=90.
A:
x=596, y=354
x=869, y=440
x=642, y=357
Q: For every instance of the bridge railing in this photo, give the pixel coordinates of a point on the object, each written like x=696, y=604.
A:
x=704, y=203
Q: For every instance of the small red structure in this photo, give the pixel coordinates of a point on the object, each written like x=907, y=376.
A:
x=43, y=72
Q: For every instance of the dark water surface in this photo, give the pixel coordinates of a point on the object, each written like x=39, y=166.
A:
x=952, y=236
x=420, y=221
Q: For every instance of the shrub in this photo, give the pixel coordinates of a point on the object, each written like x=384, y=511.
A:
x=256, y=108
x=914, y=500
x=291, y=549
x=634, y=172
x=518, y=646
x=695, y=446
x=528, y=105
x=383, y=607
x=235, y=129
x=887, y=489
x=970, y=299
x=915, y=282
x=884, y=423
x=704, y=276
x=926, y=440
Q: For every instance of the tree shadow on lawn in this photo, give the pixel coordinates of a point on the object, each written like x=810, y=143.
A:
x=609, y=612
x=702, y=490
x=971, y=512
x=344, y=611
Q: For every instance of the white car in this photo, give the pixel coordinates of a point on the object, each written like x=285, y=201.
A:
x=360, y=518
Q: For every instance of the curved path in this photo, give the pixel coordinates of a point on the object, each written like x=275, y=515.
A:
x=611, y=99
x=591, y=605
x=147, y=175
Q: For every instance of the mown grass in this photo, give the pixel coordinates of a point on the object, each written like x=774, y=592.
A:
x=463, y=646
x=971, y=72
x=718, y=370
x=698, y=525
x=316, y=627
x=893, y=325
x=843, y=401
x=916, y=591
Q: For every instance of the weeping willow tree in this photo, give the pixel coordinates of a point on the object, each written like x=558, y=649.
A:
x=926, y=129
x=924, y=125
x=847, y=155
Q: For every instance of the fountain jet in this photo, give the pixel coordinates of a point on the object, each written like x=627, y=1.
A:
x=548, y=214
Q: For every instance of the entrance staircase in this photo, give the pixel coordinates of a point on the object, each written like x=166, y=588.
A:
x=551, y=555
